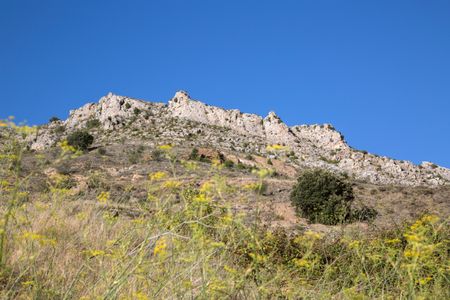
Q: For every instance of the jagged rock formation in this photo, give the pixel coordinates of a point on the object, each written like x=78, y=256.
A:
x=190, y=122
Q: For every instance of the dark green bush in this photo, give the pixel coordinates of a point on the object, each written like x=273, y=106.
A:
x=54, y=119
x=80, y=139
x=323, y=197
x=228, y=163
x=194, y=154
x=92, y=123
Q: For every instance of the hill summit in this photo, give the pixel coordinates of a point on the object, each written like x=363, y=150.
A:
x=188, y=122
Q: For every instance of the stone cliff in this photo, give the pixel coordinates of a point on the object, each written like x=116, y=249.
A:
x=182, y=118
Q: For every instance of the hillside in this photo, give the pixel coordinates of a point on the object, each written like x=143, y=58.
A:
x=185, y=200
x=188, y=122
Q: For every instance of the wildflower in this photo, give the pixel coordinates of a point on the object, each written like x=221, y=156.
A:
x=140, y=296
x=94, y=253
x=157, y=176
x=230, y=269
x=206, y=187
x=202, y=198
x=276, y=147
x=302, y=263
x=313, y=235
x=217, y=164
x=165, y=148
x=217, y=244
x=255, y=186
x=41, y=239
x=160, y=247
x=262, y=173
x=103, y=197
x=28, y=283
x=171, y=184
x=430, y=219
x=411, y=253
x=190, y=165
x=393, y=241
x=412, y=238
x=354, y=244
x=425, y=280
x=258, y=258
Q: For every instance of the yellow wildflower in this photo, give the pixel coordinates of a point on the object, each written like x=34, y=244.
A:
x=103, y=197
x=165, y=148
x=94, y=253
x=412, y=238
x=313, y=235
x=393, y=241
x=302, y=263
x=41, y=239
x=171, y=184
x=160, y=247
x=411, y=253
x=140, y=296
x=202, y=198
x=431, y=219
x=425, y=280
x=27, y=283
x=157, y=176
x=263, y=173
x=354, y=244
x=276, y=147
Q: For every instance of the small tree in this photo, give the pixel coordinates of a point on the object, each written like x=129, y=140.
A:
x=54, y=119
x=322, y=197
x=80, y=139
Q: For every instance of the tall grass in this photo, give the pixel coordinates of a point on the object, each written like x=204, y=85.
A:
x=189, y=242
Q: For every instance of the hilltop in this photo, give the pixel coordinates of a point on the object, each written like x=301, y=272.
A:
x=191, y=123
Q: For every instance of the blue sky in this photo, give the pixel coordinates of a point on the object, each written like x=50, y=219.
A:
x=379, y=71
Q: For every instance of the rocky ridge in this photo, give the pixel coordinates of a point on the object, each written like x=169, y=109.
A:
x=190, y=122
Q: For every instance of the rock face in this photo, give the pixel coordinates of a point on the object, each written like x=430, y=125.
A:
x=187, y=121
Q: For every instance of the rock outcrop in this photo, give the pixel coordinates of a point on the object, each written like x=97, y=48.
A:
x=184, y=120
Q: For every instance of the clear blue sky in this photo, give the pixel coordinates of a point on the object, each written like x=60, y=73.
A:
x=379, y=71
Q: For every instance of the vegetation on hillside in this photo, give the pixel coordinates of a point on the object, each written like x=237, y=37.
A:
x=187, y=241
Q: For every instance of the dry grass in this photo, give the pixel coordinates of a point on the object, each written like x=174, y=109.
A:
x=188, y=241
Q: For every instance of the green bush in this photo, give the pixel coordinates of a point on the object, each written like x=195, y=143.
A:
x=228, y=163
x=322, y=197
x=54, y=119
x=92, y=123
x=80, y=139
x=194, y=154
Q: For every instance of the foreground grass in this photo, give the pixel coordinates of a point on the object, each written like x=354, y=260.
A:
x=185, y=241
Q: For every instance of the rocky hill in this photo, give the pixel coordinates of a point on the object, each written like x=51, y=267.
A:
x=191, y=123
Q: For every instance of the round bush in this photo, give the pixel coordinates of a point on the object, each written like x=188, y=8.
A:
x=322, y=197
x=81, y=140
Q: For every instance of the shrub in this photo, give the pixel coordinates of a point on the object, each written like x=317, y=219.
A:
x=92, y=123
x=59, y=129
x=134, y=156
x=101, y=151
x=54, y=119
x=194, y=154
x=228, y=163
x=136, y=111
x=80, y=139
x=322, y=197
x=157, y=155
